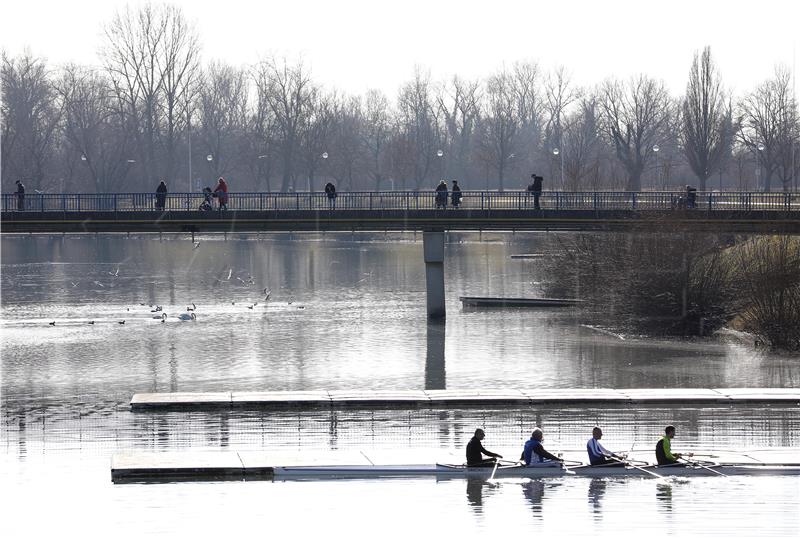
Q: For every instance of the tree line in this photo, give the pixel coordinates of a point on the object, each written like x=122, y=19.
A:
x=152, y=110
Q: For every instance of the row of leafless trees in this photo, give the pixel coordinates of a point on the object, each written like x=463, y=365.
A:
x=153, y=111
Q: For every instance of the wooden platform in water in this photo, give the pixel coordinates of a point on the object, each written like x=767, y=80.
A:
x=459, y=398
x=516, y=302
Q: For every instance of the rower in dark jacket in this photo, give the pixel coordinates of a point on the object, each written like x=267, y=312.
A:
x=475, y=452
x=534, y=452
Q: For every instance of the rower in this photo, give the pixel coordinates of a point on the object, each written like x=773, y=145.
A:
x=475, y=450
x=664, y=454
x=534, y=452
x=598, y=455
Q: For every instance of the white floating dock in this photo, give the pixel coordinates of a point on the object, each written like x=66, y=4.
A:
x=459, y=398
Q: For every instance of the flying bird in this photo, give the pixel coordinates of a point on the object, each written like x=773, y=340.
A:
x=116, y=273
x=121, y=322
x=52, y=323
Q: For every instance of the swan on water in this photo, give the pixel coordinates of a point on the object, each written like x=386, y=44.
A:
x=187, y=317
x=162, y=316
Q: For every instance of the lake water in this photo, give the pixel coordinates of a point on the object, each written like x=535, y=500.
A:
x=348, y=312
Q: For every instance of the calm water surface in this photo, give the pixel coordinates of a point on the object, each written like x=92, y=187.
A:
x=346, y=312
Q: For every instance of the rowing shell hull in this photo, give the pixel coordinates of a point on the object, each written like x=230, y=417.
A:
x=520, y=471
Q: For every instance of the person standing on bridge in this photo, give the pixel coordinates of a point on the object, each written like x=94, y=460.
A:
x=20, y=196
x=455, y=197
x=535, y=188
x=221, y=192
x=330, y=190
x=441, y=195
x=161, y=196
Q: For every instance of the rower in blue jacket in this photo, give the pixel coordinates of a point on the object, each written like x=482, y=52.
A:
x=598, y=455
x=534, y=452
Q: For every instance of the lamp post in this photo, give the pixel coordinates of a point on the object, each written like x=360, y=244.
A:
x=760, y=148
x=209, y=160
x=325, y=164
x=656, y=149
x=440, y=154
x=557, y=152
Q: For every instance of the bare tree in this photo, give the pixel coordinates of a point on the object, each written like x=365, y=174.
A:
x=582, y=146
x=94, y=130
x=501, y=124
x=530, y=106
x=768, y=120
x=289, y=92
x=222, y=110
x=376, y=132
x=707, y=124
x=559, y=94
x=633, y=117
x=178, y=63
x=31, y=117
x=315, y=134
x=459, y=104
x=151, y=55
x=418, y=123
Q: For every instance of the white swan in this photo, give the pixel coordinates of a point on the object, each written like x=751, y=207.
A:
x=187, y=317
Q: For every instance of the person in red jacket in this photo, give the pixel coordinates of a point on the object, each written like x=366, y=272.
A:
x=221, y=192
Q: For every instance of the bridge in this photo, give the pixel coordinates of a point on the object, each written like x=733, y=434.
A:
x=720, y=212
x=402, y=210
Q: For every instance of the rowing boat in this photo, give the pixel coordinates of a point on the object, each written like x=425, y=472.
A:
x=534, y=471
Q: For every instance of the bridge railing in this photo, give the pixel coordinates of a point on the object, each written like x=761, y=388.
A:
x=410, y=200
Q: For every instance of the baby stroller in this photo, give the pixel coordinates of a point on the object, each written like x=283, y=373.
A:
x=207, y=204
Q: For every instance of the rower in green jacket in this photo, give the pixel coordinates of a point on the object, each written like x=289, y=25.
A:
x=664, y=454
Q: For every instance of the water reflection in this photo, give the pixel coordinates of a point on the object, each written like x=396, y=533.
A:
x=476, y=487
x=597, y=490
x=434, y=359
x=533, y=491
x=664, y=497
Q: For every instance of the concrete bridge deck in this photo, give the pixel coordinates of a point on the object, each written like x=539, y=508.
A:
x=169, y=401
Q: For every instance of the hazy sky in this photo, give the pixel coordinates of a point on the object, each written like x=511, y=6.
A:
x=354, y=45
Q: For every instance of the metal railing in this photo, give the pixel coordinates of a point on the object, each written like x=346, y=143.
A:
x=410, y=200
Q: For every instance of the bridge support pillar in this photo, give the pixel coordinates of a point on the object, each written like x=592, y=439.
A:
x=433, y=246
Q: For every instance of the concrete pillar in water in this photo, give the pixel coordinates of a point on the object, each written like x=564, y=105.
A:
x=435, y=378
x=433, y=246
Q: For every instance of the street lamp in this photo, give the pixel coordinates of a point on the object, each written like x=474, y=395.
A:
x=557, y=152
x=760, y=148
x=656, y=149
x=440, y=154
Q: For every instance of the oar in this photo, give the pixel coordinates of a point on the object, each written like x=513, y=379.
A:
x=496, y=463
x=694, y=462
x=638, y=468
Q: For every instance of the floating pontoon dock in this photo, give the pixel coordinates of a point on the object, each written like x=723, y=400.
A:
x=390, y=399
x=516, y=302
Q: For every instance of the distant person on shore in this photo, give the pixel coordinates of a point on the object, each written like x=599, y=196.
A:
x=475, y=452
x=664, y=454
x=441, y=195
x=455, y=197
x=598, y=455
x=161, y=196
x=330, y=190
x=221, y=192
x=534, y=453
x=535, y=188
x=20, y=196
